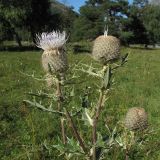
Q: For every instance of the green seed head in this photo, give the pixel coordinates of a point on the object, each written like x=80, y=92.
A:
x=136, y=119
x=106, y=49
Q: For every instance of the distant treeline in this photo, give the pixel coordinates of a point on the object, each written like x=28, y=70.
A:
x=136, y=23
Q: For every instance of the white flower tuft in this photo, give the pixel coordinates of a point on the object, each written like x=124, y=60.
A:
x=52, y=40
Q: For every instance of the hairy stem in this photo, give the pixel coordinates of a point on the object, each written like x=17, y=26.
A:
x=99, y=107
x=63, y=130
x=59, y=106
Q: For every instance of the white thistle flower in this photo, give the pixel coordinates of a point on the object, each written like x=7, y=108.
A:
x=52, y=40
x=54, y=58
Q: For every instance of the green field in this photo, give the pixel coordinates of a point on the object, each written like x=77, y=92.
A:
x=24, y=130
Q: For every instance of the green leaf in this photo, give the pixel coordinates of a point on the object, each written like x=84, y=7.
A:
x=100, y=141
x=124, y=58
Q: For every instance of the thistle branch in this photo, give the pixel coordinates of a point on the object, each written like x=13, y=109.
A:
x=95, y=121
x=75, y=132
x=33, y=76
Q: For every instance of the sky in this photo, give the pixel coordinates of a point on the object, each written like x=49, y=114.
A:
x=76, y=3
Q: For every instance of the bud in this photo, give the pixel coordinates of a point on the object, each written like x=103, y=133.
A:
x=136, y=119
x=106, y=49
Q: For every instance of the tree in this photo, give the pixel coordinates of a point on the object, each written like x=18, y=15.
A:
x=117, y=18
x=140, y=3
x=33, y=16
x=38, y=16
x=151, y=20
x=91, y=22
x=155, y=2
x=12, y=15
x=136, y=25
x=64, y=17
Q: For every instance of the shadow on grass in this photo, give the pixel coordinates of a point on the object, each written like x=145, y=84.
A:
x=75, y=49
x=78, y=48
x=142, y=48
x=17, y=48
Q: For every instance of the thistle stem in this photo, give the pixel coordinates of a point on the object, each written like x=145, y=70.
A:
x=63, y=130
x=95, y=121
x=126, y=155
x=59, y=106
x=99, y=108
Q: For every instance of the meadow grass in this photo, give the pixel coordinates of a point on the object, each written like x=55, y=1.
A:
x=24, y=130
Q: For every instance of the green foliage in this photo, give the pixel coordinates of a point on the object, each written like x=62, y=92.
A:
x=88, y=26
x=72, y=147
x=126, y=37
x=91, y=13
x=135, y=25
x=85, y=30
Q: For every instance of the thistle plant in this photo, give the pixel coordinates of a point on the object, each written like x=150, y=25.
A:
x=106, y=50
x=55, y=64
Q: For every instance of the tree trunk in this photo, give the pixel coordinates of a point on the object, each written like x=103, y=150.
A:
x=18, y=40
x=32, y=34
x=146, y=46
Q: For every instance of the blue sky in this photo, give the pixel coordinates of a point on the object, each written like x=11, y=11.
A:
x=77, y=3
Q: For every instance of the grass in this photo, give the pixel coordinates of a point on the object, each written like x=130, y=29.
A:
x=23, y=130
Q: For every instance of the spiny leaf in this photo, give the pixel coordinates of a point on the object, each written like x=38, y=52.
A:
x=87, y=117
x=124, y=58
x=41, y=107
x=90, y=120
x=72, y=93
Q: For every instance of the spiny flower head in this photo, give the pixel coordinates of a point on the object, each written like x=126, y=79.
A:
x=106, y=49
x=52, y=40
x=136, y=119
